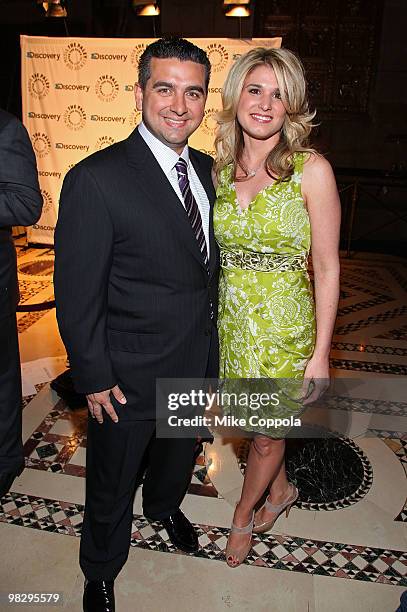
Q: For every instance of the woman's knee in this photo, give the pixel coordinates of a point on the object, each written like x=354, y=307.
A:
x=266, y=446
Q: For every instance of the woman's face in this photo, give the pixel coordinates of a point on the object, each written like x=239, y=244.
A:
x=260, y=111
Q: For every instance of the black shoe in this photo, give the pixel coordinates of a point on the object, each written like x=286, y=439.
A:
x=7, y=479
x=63, y=385
x=205, y=435
x=98, y=596
x=181, y=532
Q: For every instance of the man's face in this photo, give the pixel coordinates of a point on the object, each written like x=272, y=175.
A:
x=173, y=101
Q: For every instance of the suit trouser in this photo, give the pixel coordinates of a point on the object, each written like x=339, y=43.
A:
x=11, y=447
x=114, y=458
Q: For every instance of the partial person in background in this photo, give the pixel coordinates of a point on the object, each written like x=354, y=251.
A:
x=403, y=603
x=276, y=200
x=20, y=204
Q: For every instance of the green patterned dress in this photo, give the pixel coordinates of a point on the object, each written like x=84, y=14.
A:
x=266, y=316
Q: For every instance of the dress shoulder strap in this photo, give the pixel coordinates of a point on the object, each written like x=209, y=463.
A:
x=299, y=160
x=225, y=175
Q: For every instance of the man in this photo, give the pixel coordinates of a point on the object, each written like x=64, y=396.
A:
x=136, y=283
x=20, y=204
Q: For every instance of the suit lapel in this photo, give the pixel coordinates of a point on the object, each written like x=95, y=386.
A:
x=159, y=190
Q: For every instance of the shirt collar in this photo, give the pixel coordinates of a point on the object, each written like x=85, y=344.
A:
x=166, y=157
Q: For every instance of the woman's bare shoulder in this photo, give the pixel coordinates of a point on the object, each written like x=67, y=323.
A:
x=317, y=166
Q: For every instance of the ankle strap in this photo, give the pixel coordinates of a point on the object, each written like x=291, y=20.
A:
x=271, y=508
x=246, y=529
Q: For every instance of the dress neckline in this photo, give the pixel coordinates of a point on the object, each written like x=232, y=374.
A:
x=253, y=200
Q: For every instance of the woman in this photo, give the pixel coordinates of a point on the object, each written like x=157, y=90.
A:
x=275, y=196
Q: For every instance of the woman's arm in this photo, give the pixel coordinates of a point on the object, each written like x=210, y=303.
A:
x=322, y=200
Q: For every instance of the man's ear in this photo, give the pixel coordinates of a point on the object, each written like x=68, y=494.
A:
x=138, y=95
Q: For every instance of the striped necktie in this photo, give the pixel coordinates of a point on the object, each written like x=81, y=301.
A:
x=191, y=207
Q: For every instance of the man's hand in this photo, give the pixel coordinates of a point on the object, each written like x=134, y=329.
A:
x=97, y=401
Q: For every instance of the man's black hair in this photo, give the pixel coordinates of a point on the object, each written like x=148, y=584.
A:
x=172, y=47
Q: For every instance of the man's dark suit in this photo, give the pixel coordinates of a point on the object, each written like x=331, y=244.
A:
x=20, y=204
x=133, y=304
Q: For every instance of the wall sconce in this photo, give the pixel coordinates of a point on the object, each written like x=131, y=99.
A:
x=237, y=8
x=238, y=11
x=150, y=10
x=144, y=8
x=54, y=8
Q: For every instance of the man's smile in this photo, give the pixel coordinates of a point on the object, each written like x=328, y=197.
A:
x=177, y=123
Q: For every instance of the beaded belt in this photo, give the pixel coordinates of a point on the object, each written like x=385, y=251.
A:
x=263, y=262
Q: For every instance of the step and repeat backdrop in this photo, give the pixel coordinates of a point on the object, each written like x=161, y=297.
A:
x=78, y=98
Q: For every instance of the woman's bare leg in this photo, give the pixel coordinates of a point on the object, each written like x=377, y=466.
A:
x=265, y=463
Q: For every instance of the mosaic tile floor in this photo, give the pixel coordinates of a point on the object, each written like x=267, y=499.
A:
x=269, y=551
x=35, y=268
x=362, y=539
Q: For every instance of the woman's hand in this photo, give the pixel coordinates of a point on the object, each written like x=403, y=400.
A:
x=316, y=379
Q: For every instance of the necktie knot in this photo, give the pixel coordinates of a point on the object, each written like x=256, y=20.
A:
x=181, y=168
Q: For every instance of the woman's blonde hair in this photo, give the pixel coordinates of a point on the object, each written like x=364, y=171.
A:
x=297, y=125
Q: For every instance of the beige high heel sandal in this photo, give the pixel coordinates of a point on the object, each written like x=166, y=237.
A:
x=286, y=505
x=239, y=554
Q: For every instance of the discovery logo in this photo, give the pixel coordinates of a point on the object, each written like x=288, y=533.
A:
x=44, y=228
x=136, y=54
x=41, y=144
x=108, y=118
x=72, y=87
x=103, y=142
x=215, y=90
x=38, y=85
x=75, y=56
x=72, y=147
x=119, y=57
x=129, y=88
x=49, y=173
x=75, y=117
x=52, y=56
x=50, y=116
x=107, y=88
x=218, y=56
x=208, y=152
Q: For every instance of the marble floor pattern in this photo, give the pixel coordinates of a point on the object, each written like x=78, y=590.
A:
x=347, y=553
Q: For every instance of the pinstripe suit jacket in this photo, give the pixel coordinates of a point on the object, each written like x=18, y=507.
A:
x=132, y=291
x=20, y=201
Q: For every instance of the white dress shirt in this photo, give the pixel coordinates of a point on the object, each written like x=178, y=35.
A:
x=167, y=158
